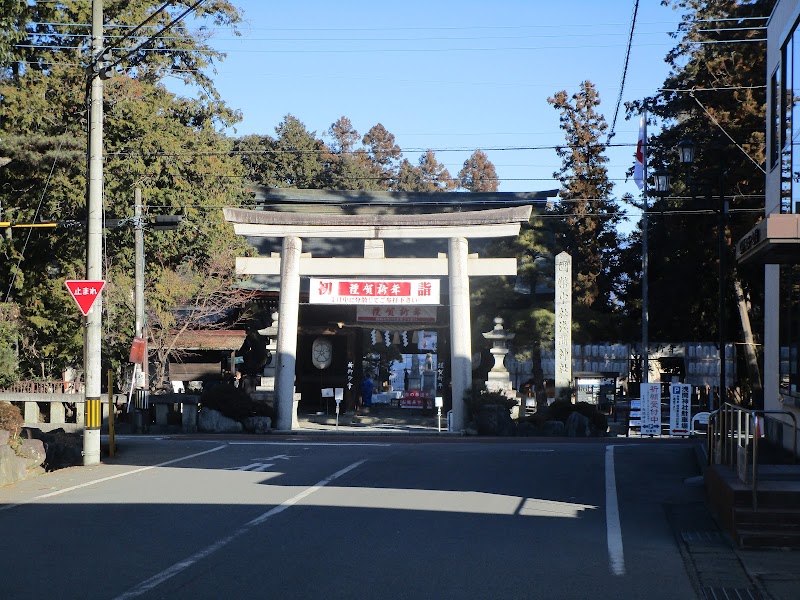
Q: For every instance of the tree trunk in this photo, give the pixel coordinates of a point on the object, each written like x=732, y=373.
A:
x=751, y=359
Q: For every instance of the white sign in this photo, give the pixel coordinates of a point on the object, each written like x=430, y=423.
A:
x=438, y=401
x=338, y=394
x=680, y=408
x=374, y=291
x=327, y=392
x=396, y=314
x=563, y=333
x=651, y=408
x=635, y=413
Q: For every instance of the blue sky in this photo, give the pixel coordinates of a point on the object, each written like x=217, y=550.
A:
x=450, y=76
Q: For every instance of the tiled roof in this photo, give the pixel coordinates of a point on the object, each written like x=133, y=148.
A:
x=229, y=339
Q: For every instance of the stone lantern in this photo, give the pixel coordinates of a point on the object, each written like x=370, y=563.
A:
x=499, y=379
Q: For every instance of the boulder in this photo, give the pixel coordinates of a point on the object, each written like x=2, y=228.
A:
x=553, y=428
x=63, y=449
x=259, y=425
x=213, y=421
x=577, y=425
x=33, y=452
x=12, y=467
x=4, y=437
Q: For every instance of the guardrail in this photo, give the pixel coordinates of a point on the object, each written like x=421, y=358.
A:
x=733, y=438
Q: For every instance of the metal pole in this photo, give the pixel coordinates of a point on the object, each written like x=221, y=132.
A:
x=112, y=407
x=94, y=271
x=645, y=265
x=141, y=319
x=723, y=210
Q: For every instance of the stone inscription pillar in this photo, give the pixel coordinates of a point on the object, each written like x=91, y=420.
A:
x=288, y=309
x=563, y=332
x=460, y=328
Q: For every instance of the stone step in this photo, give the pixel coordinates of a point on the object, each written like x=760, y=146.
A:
x=759, y=537
x=787, y=518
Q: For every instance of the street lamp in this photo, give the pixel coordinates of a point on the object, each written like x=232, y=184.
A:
x=661, y=179
x=686, y=155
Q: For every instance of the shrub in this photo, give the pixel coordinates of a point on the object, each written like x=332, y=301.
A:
x=476, y=399
x=10, y=418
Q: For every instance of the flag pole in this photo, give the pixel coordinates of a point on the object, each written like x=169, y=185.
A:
x=645, y=298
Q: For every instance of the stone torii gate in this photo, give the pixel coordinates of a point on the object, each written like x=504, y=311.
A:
x=457, y=264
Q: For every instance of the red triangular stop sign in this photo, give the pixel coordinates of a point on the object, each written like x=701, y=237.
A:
x=84, y=292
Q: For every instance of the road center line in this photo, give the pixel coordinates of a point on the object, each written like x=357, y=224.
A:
x=184, y=564
x=616, y=557
x=109, y=478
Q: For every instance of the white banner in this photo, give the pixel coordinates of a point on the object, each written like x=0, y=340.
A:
x=396, y=314
x=651, y=408
x=374, y=291
x=680, y=408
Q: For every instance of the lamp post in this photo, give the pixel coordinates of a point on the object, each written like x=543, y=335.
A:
x=686, y=154
x=661, y=181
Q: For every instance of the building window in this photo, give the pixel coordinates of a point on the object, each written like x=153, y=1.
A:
x=775, y=118
x=790, y=330
x=785, y=111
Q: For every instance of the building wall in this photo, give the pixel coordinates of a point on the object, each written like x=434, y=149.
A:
x=784, y=17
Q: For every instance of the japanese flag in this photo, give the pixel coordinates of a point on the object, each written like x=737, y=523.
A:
x=641, y=153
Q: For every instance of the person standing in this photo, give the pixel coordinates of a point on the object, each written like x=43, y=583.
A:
x=367, y=387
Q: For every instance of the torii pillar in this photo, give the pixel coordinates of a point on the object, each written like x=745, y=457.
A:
x=458, y=266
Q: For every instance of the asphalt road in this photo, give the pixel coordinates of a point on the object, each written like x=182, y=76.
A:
x=357, y=518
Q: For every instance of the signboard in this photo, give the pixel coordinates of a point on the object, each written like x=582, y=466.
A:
x=138, y=350
x=84, y=292
x=680, y=408
x=651, y=408
x=635, y=414
x=415, y=399
x=373, y=291
x=396, y=314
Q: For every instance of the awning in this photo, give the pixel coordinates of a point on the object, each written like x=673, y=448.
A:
x=775, y=240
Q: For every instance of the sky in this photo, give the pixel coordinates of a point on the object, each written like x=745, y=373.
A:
x=450, y=76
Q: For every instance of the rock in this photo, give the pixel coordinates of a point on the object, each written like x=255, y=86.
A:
x=553, y=428
x=4, y=437
x=213, y=421
x=259, y=425
x=63, y=449
x=577, y=425
x=12, y=467
x=33, y=452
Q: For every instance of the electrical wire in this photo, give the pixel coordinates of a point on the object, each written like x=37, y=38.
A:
x=36, y=216
x=624, y=71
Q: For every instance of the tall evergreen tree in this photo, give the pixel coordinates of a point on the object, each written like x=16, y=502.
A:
x=589, y=231
x=715, y=95
x=170, y=146
x=478, y=173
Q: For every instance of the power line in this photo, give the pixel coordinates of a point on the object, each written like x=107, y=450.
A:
x=624, y=70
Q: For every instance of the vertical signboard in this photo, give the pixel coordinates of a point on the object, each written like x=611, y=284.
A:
x=680, y=408
x=651, y=408
x=563, y=333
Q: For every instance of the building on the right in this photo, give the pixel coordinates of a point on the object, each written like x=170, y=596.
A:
x=775, y=241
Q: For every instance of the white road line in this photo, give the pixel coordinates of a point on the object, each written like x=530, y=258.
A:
x=109, y=478
x=184, y=564
x=263, y=467
x=616, y=557
x=304, y=444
